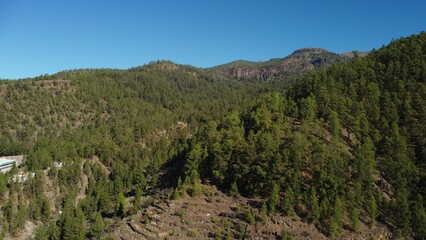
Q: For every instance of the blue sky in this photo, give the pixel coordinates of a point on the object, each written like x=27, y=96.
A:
x=47, y=36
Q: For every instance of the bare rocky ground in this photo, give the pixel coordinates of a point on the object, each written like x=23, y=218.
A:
x=26, y=233
x=214, y=215
x=211, y=215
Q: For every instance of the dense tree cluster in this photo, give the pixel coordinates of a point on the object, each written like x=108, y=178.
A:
x=115, y=127
x=331, y=143
x=145, y=99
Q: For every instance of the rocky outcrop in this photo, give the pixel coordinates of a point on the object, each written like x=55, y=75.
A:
x=214, y=215
x=261, y=73
x=299, y=61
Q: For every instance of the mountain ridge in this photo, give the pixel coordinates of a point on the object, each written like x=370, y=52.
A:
x=299, y=61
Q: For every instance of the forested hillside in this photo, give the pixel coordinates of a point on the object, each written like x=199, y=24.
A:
x=127, y=122
x=342, y=147
x=145, y=99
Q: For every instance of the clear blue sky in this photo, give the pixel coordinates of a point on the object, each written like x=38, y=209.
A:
x=47, y=36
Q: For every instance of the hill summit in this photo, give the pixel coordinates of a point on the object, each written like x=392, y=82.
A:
x=279, y=68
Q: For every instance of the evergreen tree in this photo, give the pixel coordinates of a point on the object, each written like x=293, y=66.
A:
x=339, y=210
x=41, y=234
x=34, y=209
x=73, y=225
x=250, y=217
x=234, y=189
x=196, y=188
x=264, y=213
x=178, y=191
x=138, y=195
x=45, y=208
x=53, y=231
x=274, y=198
x=354, y=216
x=401, y=211
x=333, y=228
x=308, y=108
x=98, y=225
x=326, y=209
x=9, y=212
x=3, y=185
x=120, y=205
x=372, y=210
x=288, y=201
x=334, y=124
x=313, y=206
x=418, y=221
x=285, y=235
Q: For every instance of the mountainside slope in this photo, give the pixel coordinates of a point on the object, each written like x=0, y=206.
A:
x=298, y=62
x=214, y=215
x=344, y=145
x=338, y=154
x=155, y=96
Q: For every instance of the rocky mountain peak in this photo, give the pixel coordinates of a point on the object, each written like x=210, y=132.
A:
x=279, y=68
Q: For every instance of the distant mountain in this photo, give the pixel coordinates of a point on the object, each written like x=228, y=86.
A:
x=278, y=68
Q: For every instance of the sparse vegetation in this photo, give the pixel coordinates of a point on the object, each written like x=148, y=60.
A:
x=192, y=233
x=250, y=217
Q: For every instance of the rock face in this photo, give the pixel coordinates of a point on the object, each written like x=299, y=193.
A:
x=299, y=61
x=261, y=73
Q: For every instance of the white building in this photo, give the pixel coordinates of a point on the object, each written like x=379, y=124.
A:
x=6, y=163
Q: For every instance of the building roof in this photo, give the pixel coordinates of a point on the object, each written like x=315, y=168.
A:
x=5, y=161
x=11, y=159
x=17, y=157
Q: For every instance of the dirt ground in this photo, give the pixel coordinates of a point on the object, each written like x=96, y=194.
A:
x=214, y=215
